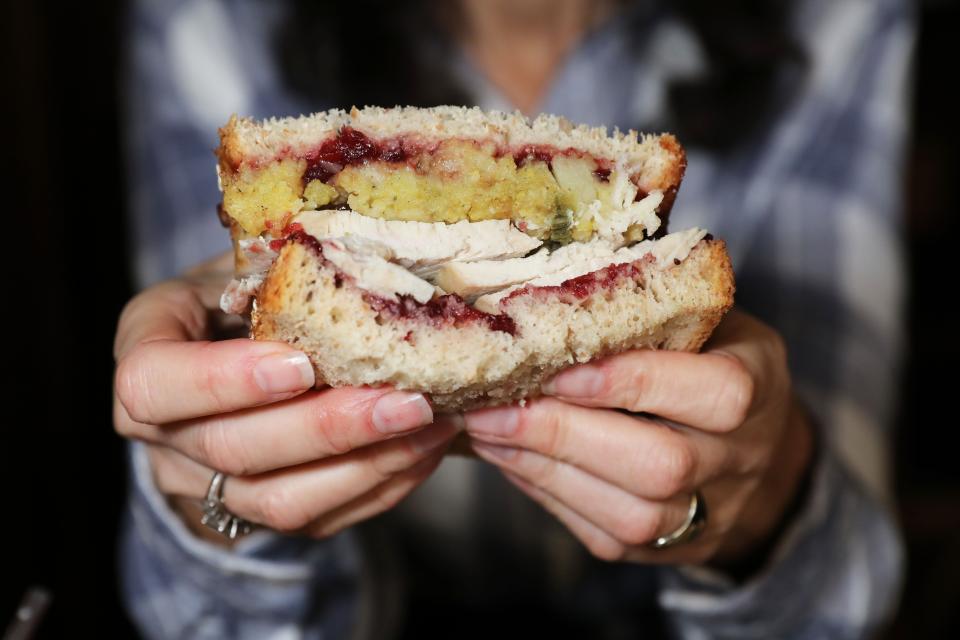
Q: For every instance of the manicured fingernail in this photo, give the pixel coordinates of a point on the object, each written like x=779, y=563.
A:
x=431, y=437
x=502, y=421
x=485, y=449
x=284, y=372
x=580, y=382
x=399, y=411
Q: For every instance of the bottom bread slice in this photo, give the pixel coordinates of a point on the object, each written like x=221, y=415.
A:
x=466, y=359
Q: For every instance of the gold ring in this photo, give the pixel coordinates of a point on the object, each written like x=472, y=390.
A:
x=695, y=522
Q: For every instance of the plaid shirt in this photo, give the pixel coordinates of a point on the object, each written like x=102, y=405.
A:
x=810, y=209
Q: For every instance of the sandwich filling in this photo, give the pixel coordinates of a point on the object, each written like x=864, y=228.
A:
x=448, y=227
x=551, y=194
x=415, y=263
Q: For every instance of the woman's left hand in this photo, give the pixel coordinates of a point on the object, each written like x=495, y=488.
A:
x=724, y=422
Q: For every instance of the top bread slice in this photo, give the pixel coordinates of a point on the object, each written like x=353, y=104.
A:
x=274, y=159
x=658, y=160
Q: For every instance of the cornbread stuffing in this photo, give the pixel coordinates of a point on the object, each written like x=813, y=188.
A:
x=452, y=181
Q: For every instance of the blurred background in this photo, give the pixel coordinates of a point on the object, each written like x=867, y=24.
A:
x=62, y=467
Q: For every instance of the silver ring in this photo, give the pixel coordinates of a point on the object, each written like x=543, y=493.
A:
x=215, y=514
x=691, y=527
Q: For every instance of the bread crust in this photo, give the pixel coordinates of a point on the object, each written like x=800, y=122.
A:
x=464, y=365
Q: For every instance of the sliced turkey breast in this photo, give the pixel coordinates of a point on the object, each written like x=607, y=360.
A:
x=472, y=279
x=667, y=252
x=365, y=262
x=421, y=246
x=374, y=263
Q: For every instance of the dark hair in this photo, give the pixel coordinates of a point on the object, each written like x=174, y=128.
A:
x=750, y=51
x=372, y=53
x=357, y=52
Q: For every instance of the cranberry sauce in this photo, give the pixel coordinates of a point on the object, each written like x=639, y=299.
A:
x=353, y=147
x=589, y=283
x=583, y=286
x=295, y=233
x=534, y=153
x=444, y=310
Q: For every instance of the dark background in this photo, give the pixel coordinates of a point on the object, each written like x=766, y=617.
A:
x=63, y=478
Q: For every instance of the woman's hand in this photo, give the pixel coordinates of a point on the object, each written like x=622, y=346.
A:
x=723, y=421
x=299, y=459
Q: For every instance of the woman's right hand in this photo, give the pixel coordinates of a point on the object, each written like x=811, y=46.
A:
x=298, y=459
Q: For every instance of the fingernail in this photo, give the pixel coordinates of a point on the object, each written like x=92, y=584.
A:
x=399, y=411
x=433, y=436
x=580, y=382
x=485, y=449
x=284, y=372
x=502, y=421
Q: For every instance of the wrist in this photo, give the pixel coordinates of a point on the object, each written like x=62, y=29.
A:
x=780, y=496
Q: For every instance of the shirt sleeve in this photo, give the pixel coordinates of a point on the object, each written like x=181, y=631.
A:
x=823, y=264
x=189, y=66
x=176, y=585
x=836, y=573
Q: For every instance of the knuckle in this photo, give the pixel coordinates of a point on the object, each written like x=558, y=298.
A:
x=549, y=423
x=212, y=380
x=130, y=386
x=677, y=469
x=219, y=451
x=385, y=465
x=122, y=423
x=280, y=510
x=538, y=413
x=638, y=388
x=735, y=398
x=753, y=463
x=206, y=449
x=162, y=470
x=539, y=470
x=327, y=438
x=125, y=320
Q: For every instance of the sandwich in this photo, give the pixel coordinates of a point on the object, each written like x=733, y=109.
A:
x=467, y=255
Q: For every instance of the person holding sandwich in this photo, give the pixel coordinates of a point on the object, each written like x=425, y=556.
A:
x=734, y=492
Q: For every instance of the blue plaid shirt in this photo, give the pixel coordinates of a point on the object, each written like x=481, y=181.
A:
x=810, y=208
